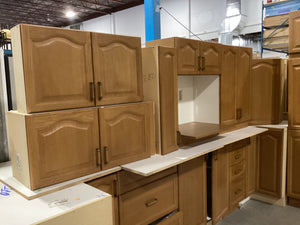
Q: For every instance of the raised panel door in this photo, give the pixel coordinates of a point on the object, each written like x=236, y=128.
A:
x=211, y=58
x=117, y=69
x=58, y=71
x=243, y=84
x=294, y=32
x=168, y=99
x=188, y=56
x=293, y=93
x=126, y=133
x=192, y=191
x=270, y=154
x=62, y=145
x=220, y=185
x=228, y=83
x=293, y=185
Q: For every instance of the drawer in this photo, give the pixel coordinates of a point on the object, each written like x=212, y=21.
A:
x=176, y=219
x=237, y=191
x=106, y=184
x=236, y=156
x=150, y=202
x=237, y=171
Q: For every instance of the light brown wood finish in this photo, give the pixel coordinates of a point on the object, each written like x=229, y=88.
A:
x=117, y=65
x=57, y=68
x=228, y=84
x=197, y=130
x=294, y=32
x=251, y=165
x=188, y=56
x=211, y=61
x=243, y=84
x=294, y=93
x=176, y=219
x=220, y=185
x=192, y=191
x=126, y=132
x=270, y=157
x=108, y=184
x=62, y=145
x=293, y=184
x=149, y=203
x=274, y=21
x=267, y=91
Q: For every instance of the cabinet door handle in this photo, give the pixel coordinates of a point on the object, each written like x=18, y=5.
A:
x=237, y=191
x=203, y=63
x=106, y=155
x=238, y=114
x=216, y=156
x=151, y=202
x=178, y=138
x=237, y=171
x=99, y=84
x=98, y=152
x=199, y=64
x=115, y=188
x=92, y=91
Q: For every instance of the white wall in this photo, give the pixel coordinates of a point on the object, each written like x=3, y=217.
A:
x=203, y=17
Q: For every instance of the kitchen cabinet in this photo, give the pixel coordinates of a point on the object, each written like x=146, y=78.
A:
x=53, y=68
x=293, y=184
x=270, y=163
x=294, y=33
x=160, y=86
x=267, y=94
x=117, y=69
x=251, y=166
x=293, y=93
x=192, y=191
x=108, y=184
x=49, y=148
x=126, y=133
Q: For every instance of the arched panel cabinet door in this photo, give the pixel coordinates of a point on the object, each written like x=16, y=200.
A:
x=126, y=133
x=53, y=68
x=211, y=57
x=117, y=69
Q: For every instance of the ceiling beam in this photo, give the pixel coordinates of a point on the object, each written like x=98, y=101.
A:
x=97, y=3
x=119, y=2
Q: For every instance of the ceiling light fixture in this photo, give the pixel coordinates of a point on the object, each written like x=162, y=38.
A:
x=70, y=14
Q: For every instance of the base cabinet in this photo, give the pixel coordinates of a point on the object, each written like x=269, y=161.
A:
x=192, y=191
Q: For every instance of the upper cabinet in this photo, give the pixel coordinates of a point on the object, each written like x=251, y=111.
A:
x=54, y=68
x=117, y=69
x=294, y=32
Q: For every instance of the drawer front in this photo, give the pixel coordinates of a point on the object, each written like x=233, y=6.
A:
x=237, y=171
x=150, y=202
x=237, y=191
x=106, y=184
x=176, y=219
x=236, y=156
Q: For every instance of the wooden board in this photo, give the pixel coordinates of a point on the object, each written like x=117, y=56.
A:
x=274, y=21
x=276, y=41
x=278, y=33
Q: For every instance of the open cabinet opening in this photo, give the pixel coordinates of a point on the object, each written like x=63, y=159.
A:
x=198, y=107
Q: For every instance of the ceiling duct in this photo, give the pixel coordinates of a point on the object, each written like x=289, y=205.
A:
x=234, y=21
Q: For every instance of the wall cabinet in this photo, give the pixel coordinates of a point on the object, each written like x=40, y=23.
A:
x=294, y=34
x=49, y=148
x=192, y=191
x=55, y=68
x=160, y=86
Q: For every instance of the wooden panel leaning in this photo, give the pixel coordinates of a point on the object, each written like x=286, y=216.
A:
x=294, y=32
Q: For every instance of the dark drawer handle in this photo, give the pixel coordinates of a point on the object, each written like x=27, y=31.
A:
x=237, y=191
x=199, y=65
x=237, y=171
x=92, y=91
x=106, y=155
x=151, y=202
x=99, y=84
x=203, y=63
x=98, y=151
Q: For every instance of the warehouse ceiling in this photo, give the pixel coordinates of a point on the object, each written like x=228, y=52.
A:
x=54, y=12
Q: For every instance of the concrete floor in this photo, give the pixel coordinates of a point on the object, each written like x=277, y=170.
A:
x=258, y=213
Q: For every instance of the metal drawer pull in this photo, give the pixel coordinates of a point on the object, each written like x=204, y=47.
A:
x=98, y=151
x=199, y=66
x=105, y=154
x=92, y=91
x=203, y=63
x=151, y=202
x=99, y=84
x=237, y=171
x=237, y=191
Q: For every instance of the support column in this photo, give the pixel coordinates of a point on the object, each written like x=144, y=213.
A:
x=152, y=20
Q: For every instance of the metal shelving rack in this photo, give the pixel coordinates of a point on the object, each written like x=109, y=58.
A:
x=262, y=33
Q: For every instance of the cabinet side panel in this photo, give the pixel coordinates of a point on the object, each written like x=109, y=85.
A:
x=18, y=68
x=18, y=147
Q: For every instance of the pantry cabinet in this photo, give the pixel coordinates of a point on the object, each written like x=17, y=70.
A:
x=117, y=69
x=294, y=33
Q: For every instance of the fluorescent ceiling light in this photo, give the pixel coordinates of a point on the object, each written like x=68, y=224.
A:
x=70, y=14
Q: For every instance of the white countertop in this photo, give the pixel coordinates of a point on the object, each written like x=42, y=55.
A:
x=157, y=163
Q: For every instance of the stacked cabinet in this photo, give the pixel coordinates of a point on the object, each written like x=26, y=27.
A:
x=294, y=35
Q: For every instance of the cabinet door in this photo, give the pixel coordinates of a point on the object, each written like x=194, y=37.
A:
x=117, y=69
x=211, y=57
x=243, y=84
x=188, y=56
x=62, y=145
x=228, y=84
x=294, y=32
x=126, y=133
x=293, y=185
x=270, y=157
x=251, y=156
x=294, y=93
x=266, y=91
x=220, y=185
x=192, y=191
x=168, y=99
x=57, y=65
